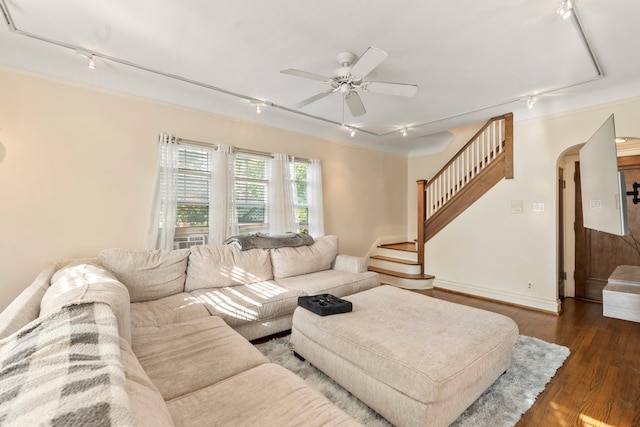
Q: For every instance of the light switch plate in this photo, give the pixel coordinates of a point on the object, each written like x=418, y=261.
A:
x=516, y=207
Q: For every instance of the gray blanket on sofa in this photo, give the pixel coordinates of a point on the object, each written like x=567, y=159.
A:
x=64, y=369
x=264, y=241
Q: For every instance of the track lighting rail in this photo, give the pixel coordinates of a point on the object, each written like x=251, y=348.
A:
x=574, y=17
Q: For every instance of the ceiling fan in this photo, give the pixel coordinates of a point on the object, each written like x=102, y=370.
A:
x=351, y=76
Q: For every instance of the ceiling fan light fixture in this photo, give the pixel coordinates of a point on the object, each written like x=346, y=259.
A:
x=349, y=80
x=404, y=131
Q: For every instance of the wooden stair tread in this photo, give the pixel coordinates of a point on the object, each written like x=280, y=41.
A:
x=403, y=246
x=397, y=260
x=401, y=275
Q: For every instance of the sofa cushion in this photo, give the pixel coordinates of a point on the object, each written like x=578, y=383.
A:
x=146, y=402
x=226, y=265
x=85, y=282
x=173, y=309
x=334, y=282
x=249, y=303
x=148, y=275
x=268, y=395
x=287, y=262
x=185, y=357
x=263, y=328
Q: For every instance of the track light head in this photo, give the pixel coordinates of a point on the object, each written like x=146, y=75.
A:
x=89, y=56
x=530, y=102
x=565, y=10
x=260, y=104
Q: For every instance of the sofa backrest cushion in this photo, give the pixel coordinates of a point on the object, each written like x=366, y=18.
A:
x=148, y=275
x=289, y=262
x=226, y=265
x=85, y=282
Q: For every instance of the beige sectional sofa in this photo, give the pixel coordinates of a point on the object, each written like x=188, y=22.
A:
x=182, y=321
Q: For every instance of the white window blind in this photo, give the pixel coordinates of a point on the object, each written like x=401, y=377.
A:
x=251, y=188
x=192, y=190
x=251, y=191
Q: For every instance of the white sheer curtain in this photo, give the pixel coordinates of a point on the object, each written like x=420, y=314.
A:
x=314, y=194
x=162, y=224
x=223, y=221
x=281, y=207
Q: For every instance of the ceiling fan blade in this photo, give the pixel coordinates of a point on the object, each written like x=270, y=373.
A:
x=305, y=74
x=369, y=60
x=354, y=103
x=399, y=89
x=314, y=98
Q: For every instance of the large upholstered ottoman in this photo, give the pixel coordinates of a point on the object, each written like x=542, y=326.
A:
x=416, y=360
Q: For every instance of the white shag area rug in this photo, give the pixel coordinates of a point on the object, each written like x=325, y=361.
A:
x=534, y=363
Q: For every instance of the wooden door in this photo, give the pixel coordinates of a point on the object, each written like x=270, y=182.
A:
x=561, y=272
x=598, y=253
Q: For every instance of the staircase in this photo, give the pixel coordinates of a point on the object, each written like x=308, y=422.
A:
x=483, y=162
x=397, y=264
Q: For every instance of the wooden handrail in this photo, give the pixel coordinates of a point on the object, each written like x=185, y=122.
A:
x=508, y=146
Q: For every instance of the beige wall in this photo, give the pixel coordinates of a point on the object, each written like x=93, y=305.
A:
x=490, y=252
x=79, y=167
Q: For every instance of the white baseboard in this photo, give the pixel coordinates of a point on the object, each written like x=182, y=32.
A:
x=552, y=306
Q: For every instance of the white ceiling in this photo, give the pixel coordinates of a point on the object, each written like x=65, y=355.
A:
x=471, y=59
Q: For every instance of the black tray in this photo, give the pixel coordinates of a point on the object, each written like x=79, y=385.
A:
x=325, y=304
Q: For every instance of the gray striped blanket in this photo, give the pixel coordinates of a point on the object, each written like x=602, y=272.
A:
x=64, y=369
x=265, y=241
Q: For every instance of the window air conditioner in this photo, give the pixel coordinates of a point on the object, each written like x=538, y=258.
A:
x=183, y=242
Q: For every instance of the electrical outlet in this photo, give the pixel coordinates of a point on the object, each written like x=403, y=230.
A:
x=529, y=286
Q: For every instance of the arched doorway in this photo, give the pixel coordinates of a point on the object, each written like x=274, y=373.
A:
x=586, y=258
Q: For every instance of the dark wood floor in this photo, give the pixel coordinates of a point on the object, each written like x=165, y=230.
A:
x=599, y=384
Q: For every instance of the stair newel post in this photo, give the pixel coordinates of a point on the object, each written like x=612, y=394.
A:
x=422, y=217
x=508, y=146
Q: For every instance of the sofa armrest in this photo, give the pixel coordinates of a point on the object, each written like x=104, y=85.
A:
x=26, y=307
x=350, y=264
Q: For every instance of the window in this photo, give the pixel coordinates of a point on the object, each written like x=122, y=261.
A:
x=186, y=194
x=192, y=191
x=251, y=192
